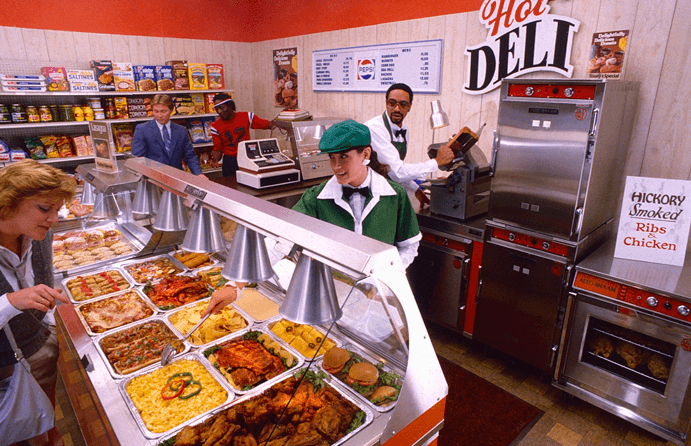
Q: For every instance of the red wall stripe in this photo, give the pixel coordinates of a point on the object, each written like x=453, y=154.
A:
x=227, y=20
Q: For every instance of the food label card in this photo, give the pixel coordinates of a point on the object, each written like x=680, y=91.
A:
x=655, y=219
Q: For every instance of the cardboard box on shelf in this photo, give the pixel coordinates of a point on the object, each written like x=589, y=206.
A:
x=56, y=78
x=197, y=75
x=214, y=75
x=145, y=77
x=180, y=74
x=103, y=72
x=123, y=76
x=136, y=107
x=82, y=81
x=164, y=77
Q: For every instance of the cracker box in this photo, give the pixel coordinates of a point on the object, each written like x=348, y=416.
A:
x=180, y=74
x=198, y=99
x=121, y=111
x=214, y=76
x=103, y=71
x=184, y=105
x=197, y=75
x=136, y=108
x=145, y=77
x=164, y=77
x=56, y=78
x=82, y=81
x=123, y=76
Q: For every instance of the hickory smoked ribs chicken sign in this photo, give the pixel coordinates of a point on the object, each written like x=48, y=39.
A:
x=522, y=38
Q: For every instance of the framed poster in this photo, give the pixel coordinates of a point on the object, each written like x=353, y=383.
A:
x=607, y=55
x=285, y=63
x=104, y=149
x=374, y=68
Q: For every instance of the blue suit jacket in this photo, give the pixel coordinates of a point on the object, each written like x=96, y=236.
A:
x=148, y=142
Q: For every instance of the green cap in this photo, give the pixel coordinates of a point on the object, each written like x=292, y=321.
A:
x=344, y=136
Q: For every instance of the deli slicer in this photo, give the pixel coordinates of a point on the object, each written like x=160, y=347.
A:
x=261, y=164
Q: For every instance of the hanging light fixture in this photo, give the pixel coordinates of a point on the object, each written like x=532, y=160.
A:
x=105, y=206
x=248, y=259
x=204, y=233
x=438, y=119
x=146, y=198
x=88, y=195
x=171, y=214
x=311, y=296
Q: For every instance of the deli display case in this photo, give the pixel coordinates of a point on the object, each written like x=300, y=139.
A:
x=379, y=323
x=307, y=134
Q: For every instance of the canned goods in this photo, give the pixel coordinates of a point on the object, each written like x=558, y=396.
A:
x=99, y=113
x=94, y=103
x=5, y=115
x=18, y=113
x=66, y=113
x=45, y=113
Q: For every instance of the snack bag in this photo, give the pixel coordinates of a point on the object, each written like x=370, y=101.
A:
x=4, y=148
x=35, y=148
x=16, y=155
x=123, y=134
x=50, y=145
x=195, y=128
x=64, y=144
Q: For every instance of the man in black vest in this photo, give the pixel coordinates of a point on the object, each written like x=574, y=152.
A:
x=390, y=140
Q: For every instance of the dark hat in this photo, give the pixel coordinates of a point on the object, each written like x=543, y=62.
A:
x=344, y=136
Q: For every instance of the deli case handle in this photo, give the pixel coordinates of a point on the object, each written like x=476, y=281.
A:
x=495, y=145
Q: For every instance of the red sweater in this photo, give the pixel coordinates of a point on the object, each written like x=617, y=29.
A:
x=227, y=134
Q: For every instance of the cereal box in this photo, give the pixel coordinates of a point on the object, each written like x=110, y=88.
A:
x=56, y=78
x=103, y=71
x=197, y=75
x=145, y=77
x=180, y=74
x=214, y=75
x=123, y=76
x=164, y=77
x=82, y=80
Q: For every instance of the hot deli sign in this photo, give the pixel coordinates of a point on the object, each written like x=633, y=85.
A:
x=522, y=38
x=654, y=222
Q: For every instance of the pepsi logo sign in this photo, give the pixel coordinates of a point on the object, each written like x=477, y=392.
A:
x=365, y=69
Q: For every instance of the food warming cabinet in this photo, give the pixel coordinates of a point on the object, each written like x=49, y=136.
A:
x=380, y=315
x=557, y=157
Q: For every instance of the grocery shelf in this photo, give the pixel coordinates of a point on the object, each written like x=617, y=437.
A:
x=106, y=93
x=26, y=125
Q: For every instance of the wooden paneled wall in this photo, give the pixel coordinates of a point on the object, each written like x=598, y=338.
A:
x=657, y=57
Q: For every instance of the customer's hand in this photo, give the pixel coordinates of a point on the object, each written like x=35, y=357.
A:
x=39, y=297
x=220, y=299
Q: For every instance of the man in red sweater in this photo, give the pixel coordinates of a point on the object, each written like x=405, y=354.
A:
x=233, y=127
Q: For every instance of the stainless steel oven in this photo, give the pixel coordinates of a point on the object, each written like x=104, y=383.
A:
x=627, y=348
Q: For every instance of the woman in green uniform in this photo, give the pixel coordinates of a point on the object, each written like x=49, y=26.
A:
x=357, y=197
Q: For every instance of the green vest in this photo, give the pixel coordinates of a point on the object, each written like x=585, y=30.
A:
x=391, y=220
x=402, y=147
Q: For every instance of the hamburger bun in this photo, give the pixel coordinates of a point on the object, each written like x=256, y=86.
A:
x=363, y=373
x=335, y=359
x=383, y=392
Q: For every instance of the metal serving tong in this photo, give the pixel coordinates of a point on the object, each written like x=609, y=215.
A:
x=169, y=350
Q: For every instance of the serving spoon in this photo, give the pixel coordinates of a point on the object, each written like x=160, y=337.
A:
x=169, y=351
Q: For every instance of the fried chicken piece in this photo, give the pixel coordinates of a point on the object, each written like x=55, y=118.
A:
x=306, y=436
x=227, y=439
x=632, y=354
x=328, y=422
x=189, y=436
x=244, y=440
x=602, y=346
x=218, y=430
x=657, y=366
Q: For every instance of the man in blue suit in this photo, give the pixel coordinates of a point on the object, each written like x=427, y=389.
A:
x=163, y=141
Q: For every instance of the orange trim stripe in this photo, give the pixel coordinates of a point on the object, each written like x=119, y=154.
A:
x=420, y=426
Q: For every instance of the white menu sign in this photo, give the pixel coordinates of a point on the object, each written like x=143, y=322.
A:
x=655, y=219
x=374, y=68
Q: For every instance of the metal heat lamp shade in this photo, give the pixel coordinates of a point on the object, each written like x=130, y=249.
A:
x=311, y=296
x=146, y=198
x=105, y=206
x=172, y=213
x=438, y=118
x=204, y=233
x=248, y=259
x=88, y=195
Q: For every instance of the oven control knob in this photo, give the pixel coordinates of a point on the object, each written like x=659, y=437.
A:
x=545, y=246
x=512, y=236
x=668, y=306
x=529, y=91
x=652, y=301
x=568, y=92
x=683, y=310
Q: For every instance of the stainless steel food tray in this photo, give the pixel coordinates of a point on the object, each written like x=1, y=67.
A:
x=271, y=322
x=170, y=313
x=131, y=263
x=146, y=301
x=126, y=276
x=369, y=415
x=269, y=297
x=155, y=319
x=362, y=356
x=122, y=386
x=125, y=236
x=235, y=336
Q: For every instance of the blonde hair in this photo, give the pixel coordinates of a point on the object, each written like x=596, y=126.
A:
x=27, y=179
x=162, y=99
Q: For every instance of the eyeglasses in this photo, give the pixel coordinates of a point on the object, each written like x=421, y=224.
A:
x=404, y=105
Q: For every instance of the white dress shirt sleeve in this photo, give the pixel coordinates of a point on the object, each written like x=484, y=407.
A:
x=402, y=173
x=7, y=311
x=407, y=249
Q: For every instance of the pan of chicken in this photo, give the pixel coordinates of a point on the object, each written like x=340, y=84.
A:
x=317, y=414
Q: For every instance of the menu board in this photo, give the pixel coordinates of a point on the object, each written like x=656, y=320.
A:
x=374, y=68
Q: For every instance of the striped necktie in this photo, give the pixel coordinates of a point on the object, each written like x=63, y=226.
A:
x=166, y=139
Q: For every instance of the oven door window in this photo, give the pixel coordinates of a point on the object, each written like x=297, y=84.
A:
x=633, y=356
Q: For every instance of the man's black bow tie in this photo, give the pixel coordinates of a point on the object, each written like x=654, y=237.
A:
x=349, y=191
x=399, y=133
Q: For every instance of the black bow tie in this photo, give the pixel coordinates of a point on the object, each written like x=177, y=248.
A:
x=349, y=191
x=400, y=133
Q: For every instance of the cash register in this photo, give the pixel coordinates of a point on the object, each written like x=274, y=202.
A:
x=261, y=164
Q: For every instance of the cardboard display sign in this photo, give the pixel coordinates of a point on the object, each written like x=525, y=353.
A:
x=655, y=220
x=104, y=149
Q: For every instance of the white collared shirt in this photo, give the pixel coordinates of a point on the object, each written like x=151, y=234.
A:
x=160, y=130
x=7, y=310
